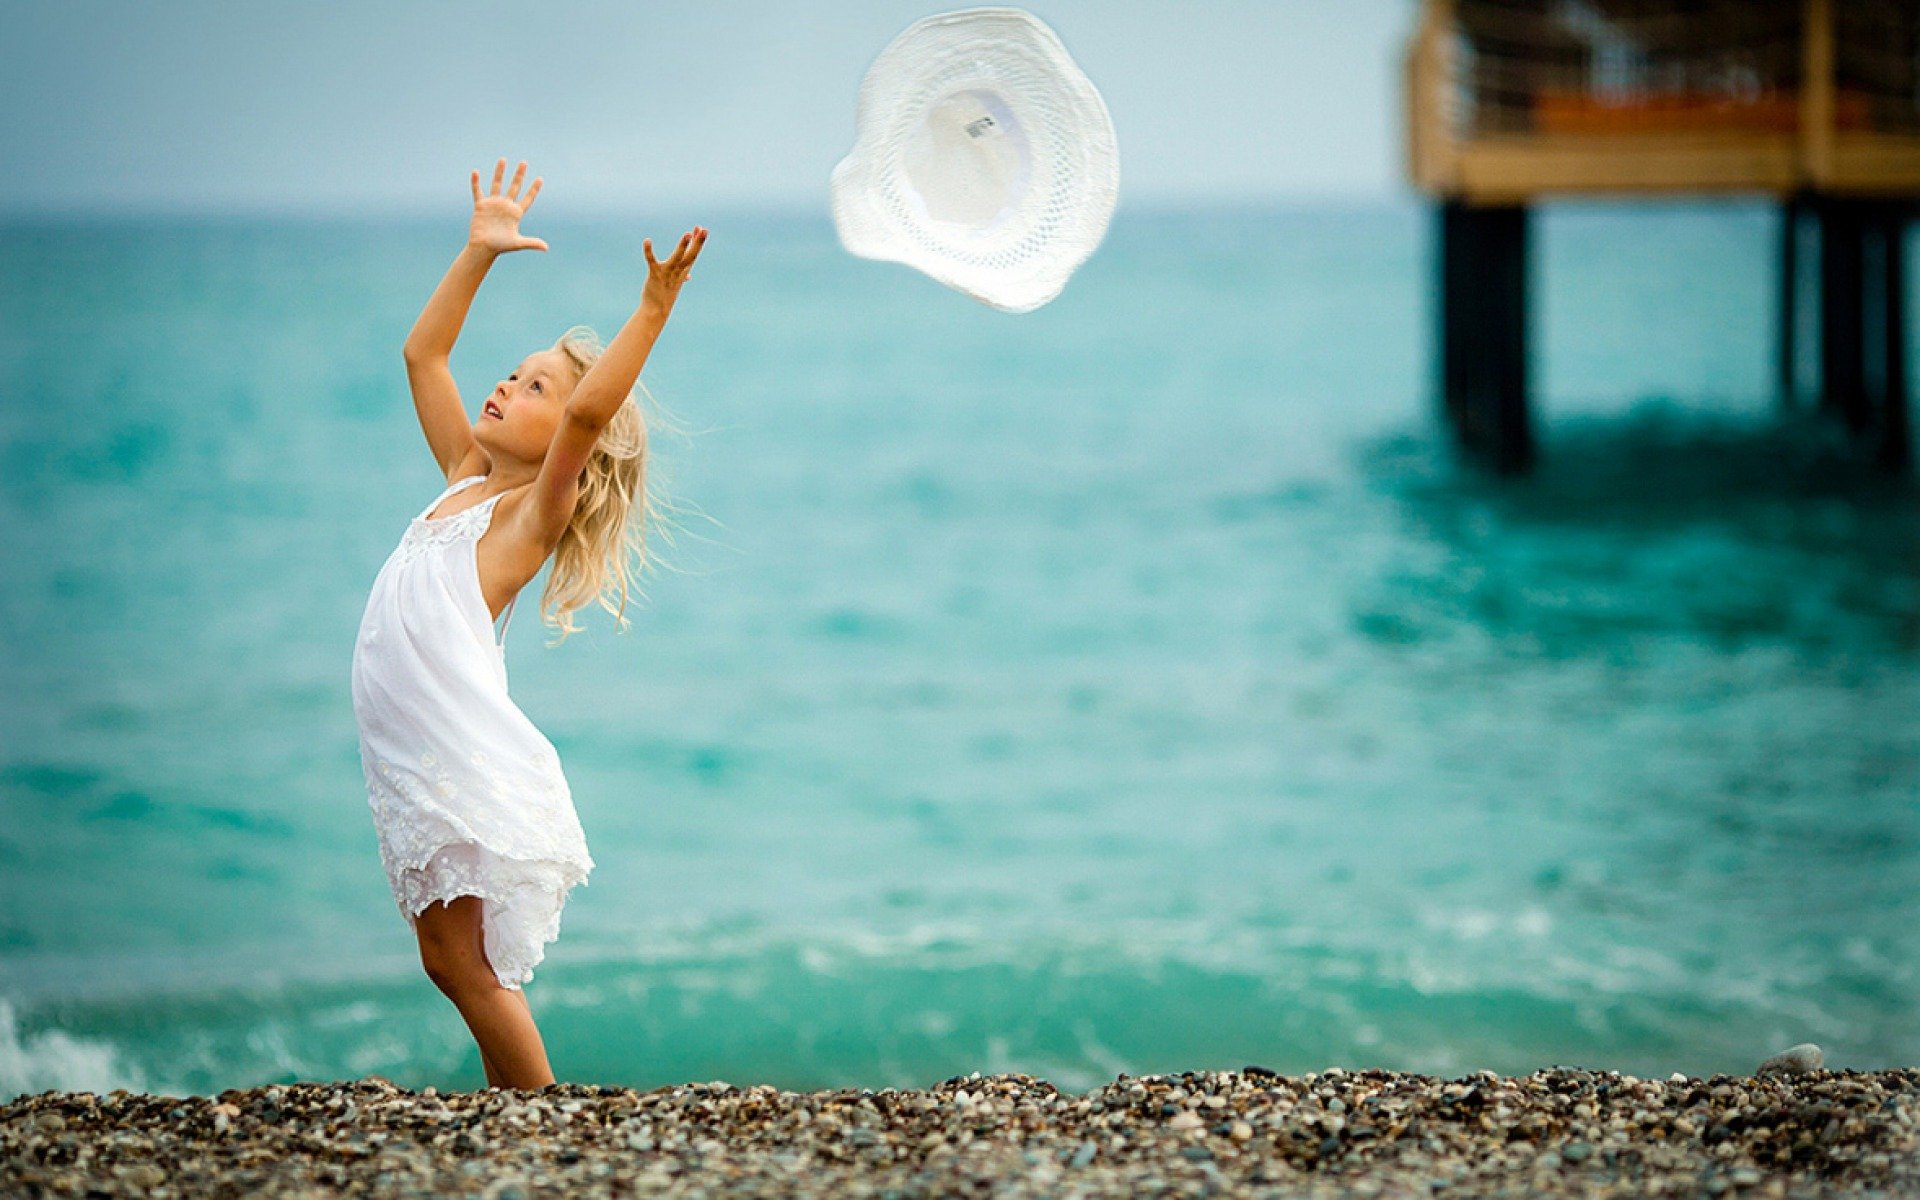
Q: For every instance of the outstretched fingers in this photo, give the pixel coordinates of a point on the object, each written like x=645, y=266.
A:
x=526, y=201
x=699, y=236
x=499, y=170
x=675, y=268
x=476, y=186
x=520, y=173
x=688, y=249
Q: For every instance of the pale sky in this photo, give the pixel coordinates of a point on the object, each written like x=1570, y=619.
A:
x=365, y=106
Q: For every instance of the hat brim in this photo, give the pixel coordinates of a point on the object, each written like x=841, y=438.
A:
x=1003, y=208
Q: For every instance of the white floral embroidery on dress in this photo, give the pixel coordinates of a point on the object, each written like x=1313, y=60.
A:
x=424, y=535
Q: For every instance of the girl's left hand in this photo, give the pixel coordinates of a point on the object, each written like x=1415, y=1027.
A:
x=664, y=278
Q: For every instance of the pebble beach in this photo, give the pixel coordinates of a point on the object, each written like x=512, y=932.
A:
x=1250, y=1132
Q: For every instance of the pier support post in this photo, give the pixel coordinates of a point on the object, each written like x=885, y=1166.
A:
x=1863, y=326
x=1842, y=310
x=1787, y=363
x=1887, y=337
x=1483, y=332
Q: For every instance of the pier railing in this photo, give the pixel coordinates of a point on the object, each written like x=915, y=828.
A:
x=1512, y=99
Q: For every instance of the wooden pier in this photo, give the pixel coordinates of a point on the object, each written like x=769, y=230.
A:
x=1815, y=103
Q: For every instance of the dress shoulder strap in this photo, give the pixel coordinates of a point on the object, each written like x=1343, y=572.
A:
x=507, y=613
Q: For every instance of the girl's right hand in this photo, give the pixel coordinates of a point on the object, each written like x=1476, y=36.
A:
x=496, y=218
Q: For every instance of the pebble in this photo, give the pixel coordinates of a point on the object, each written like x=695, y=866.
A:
x=1804, y=1057
x=1559, y=1132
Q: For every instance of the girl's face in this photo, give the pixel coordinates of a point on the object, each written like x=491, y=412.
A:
x=518, y=418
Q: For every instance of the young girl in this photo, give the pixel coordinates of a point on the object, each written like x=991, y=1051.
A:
x=476, y=824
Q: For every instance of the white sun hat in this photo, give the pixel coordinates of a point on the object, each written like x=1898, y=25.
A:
x=982, y=156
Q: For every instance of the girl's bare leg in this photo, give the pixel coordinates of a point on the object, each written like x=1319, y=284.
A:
x=487, y=1059
x=498, y=1017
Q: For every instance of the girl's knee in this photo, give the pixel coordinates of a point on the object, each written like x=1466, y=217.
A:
x=450, y=950
x=455, y=969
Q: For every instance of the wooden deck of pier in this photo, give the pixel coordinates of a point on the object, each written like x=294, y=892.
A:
x=1815, y=103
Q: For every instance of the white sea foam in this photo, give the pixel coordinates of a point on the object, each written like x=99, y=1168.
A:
x=55, y=1060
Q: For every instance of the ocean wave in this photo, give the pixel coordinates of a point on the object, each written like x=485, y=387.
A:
x=54, y=1060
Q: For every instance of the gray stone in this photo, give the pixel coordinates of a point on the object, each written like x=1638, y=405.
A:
x=1798, y=1060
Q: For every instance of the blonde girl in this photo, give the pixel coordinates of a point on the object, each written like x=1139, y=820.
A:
x=478, y=834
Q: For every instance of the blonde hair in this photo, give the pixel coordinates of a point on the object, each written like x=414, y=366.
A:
x=617, y=507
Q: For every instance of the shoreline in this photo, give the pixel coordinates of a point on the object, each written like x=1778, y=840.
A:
x=1560, y=1131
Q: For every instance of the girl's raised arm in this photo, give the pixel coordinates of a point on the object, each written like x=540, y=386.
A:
x=495, y=231
x=601, y=391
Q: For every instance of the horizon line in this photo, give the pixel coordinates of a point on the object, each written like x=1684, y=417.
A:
x=93, y=210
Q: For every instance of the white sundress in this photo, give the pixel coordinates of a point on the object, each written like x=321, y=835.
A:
x=468, y=797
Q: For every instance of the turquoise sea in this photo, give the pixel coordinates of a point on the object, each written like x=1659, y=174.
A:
x=1134, y=685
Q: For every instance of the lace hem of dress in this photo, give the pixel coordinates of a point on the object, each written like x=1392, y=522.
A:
x=522, y=900
x=521, y=859
x=534, y=816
